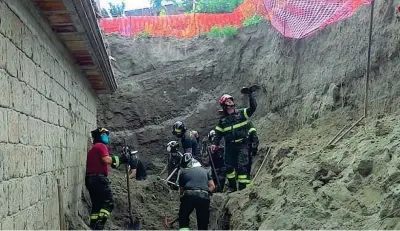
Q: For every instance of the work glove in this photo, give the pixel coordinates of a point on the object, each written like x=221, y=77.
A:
x=115, y=161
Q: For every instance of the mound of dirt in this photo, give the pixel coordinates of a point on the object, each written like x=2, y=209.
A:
x=310, y=89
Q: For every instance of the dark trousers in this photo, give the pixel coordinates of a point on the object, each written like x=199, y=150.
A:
x=101, y=198
x=237, y=162
x=250, y=162
x=199, y=200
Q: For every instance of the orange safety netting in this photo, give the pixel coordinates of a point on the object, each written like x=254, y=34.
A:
x=292, y=18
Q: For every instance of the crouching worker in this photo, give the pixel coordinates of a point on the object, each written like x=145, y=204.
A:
x=96, y=180
x=136, y=168
x=195, y=187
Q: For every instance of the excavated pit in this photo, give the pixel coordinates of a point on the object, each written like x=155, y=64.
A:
x=310, y=89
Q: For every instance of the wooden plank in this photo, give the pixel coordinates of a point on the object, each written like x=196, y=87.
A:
x=50, y=5
x=55, y=12
x=76, y=45
x=70, y=36
x=92, y=72
x=60, y=19
x=88, y=67
x=64, y=28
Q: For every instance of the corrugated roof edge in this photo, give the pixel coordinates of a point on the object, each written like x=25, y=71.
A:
x=84, y=19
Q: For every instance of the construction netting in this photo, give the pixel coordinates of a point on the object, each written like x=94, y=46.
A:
x=292, y=18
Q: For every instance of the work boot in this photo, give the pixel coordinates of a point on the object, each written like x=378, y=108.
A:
x=242, y=186
x=92, y=224
x=231, y=189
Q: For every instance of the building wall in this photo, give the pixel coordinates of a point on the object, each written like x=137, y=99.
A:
x=47, y=110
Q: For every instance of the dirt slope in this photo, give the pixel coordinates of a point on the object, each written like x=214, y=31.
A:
x=311, y=89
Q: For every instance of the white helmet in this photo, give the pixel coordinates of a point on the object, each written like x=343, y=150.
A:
x=172, y=146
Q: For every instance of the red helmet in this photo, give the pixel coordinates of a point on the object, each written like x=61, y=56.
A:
x=223, y=99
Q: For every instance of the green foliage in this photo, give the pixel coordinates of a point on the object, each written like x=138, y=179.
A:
x=228, y=31
x=104, y=13
x=143, y=35
x=217, y=6
x=117, y=10
x=253, y=20
x=208, y=6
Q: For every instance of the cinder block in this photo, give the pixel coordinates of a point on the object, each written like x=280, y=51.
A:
x=44, y=108
x=5, y=25
x=36, y=104
x=47, y=134
x=38, y=51
x=27, y=99
x=38, y=216
x=15, y=192
x=30, y=218
x=35, y=131
x=43, y=187
x=23, y=129
x=4, y=125
x=39, y=160
x=17, y=97
x=28, y=71
x=16, y=30
x=27, y=193
x=3, y=50
x=31, y=153
x=41, y=79
x=4, y=199
x=20, y=220
x=13, y=127
x=13, y=59
x=27, y=40
x=19, y=157
x=8, y=222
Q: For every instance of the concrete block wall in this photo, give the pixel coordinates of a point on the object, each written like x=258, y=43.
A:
x=47, y=110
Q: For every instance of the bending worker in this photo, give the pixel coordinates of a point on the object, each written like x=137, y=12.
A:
x=195, y=187
x=96, y=180
x=189, y=139
x=234, y=127
x=136, y=168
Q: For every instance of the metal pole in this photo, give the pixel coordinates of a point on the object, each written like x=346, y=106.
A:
x=368, y=59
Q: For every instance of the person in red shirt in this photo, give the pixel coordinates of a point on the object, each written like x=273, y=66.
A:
x=96, y=180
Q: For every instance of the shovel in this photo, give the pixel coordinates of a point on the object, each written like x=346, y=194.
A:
x=133, y=224
x=249, y=90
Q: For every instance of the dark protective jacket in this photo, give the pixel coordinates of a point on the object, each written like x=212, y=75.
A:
x=190, y=140
x=235, y=127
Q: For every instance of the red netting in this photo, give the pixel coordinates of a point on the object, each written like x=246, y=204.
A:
x=292, y=18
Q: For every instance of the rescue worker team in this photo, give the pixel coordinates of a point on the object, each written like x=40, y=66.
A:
x=204, y=167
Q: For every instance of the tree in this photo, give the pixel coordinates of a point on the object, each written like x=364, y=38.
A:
x=117, y=10
x=157, y=6
x=104, y=13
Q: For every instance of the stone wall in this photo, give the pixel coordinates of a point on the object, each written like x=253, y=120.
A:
x=46, y=113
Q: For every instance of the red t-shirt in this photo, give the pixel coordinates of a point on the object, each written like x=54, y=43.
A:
x=94, y=163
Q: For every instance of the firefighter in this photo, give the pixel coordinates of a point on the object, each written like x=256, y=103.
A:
x=253, y=143
x=233, y=126
x=195, y=186
x=96, y=180
x=218, y=160
x=174, y=161
x=137, y=170
x=189, y=139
